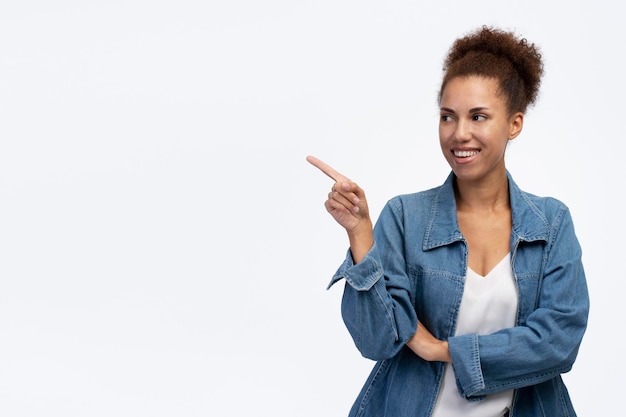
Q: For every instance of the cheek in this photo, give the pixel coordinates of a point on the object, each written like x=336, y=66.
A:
x=498, y=137
x=503, y=143
x=444, y=146
x=444, y=132
x=442, y=137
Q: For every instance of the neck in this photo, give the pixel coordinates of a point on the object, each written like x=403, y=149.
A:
x=487, y=195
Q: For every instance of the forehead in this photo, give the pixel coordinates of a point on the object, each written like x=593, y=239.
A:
x=472, y=91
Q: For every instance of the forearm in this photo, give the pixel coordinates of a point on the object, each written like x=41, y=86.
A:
x=376, y=333
x=427, y=347
x=361, y=241
x=376, y=307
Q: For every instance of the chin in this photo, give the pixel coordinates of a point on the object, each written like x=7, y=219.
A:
x=467, y=174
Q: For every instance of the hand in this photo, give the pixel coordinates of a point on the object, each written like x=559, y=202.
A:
x=427, y=347
x=347, y=204
x=346, y=200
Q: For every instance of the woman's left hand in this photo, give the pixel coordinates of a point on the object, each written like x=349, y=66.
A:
x=427, y=347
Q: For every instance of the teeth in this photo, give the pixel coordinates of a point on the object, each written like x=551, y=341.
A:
x=465, y=154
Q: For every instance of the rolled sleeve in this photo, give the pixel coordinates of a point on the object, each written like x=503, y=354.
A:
x=465, y=354
x=361, y=276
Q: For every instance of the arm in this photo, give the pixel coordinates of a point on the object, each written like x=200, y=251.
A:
x=376, y=304
x=546, y=343
x=427, y=347
x=347, y=204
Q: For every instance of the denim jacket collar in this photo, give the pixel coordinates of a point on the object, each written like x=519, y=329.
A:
x=529, y=224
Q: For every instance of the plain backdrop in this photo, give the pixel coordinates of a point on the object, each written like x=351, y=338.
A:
x=164, y=249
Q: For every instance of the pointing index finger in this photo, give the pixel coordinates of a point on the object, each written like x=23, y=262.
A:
x=327, y=169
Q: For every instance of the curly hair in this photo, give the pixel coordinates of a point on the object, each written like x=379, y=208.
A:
x=493, y=53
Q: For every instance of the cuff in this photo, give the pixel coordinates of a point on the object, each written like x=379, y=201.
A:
x=466, y=363
x=361, y=276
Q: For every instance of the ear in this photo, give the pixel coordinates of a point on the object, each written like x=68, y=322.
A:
x=515, y=125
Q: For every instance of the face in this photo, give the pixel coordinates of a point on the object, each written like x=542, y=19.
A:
x=475, y=127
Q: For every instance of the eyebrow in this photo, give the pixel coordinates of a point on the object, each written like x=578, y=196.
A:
x=472, y=110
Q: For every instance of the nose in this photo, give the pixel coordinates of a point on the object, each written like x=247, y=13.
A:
x=462, y=132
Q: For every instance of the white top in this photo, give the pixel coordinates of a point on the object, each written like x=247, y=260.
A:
x=489, y=304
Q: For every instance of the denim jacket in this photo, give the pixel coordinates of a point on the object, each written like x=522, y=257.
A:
x=414, y=274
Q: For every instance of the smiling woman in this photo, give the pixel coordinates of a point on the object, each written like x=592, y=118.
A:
x=471, y=296
x=475, y=127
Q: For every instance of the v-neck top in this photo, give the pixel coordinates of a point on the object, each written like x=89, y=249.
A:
x=489, y=304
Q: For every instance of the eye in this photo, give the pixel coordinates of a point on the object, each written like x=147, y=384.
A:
x=445, y=118
x=478, y=117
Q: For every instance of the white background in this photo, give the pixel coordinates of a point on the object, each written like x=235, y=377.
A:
x=164, y=249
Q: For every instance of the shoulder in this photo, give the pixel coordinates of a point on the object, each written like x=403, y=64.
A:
x=539, y=217
x=419, y=200
x=549, y=209
x=544, y=203
x=547, y=205
x=410, y=210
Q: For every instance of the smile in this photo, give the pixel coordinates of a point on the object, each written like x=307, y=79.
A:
x=465, y=154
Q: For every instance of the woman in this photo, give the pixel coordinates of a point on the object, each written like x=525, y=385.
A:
x=470, y=296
